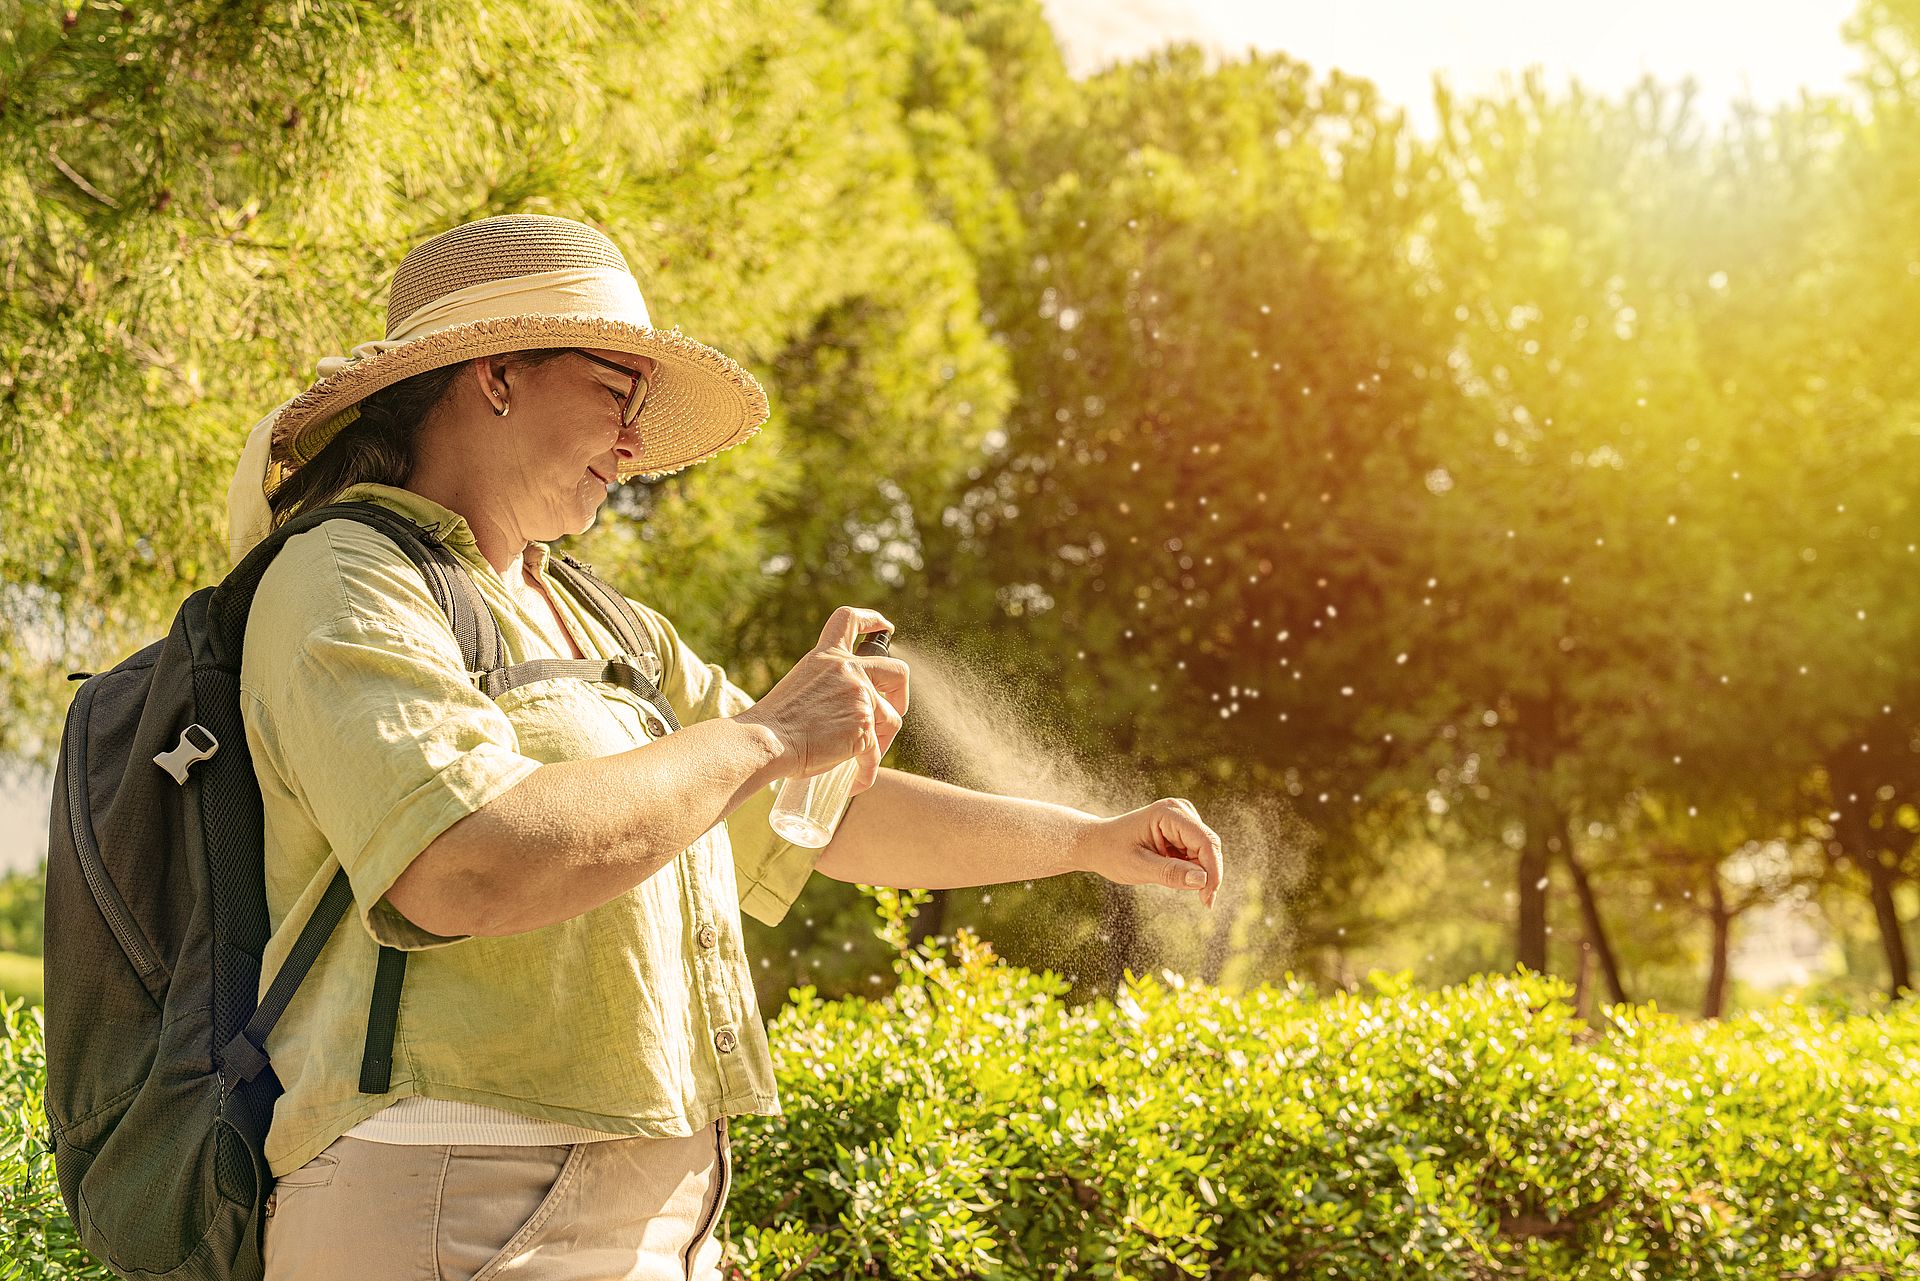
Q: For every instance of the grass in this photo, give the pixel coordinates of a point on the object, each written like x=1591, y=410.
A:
x=20, y=976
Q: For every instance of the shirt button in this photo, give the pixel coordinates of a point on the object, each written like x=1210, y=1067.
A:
x=654, y=726
x=708, y=936
x=725, y=1040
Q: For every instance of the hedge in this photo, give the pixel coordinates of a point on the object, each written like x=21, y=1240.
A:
x=20, y=976
x=970, y=1123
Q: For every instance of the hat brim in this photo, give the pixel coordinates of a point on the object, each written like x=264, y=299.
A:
x=700, y=402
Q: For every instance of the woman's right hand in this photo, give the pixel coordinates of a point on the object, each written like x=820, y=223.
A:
x=836, y=705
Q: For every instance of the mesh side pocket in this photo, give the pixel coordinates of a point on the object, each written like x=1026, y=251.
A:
x=235, y=1168
x=69, y=1167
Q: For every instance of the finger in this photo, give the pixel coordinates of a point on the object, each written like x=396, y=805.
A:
x=1188, y=838
x=1211, y=854
x=886, y=687
x=1217, y=874
x=888, y=722
x=889, y=677
x=1173, y=873
x=1211, y=858
x=848, y=624
x=868, y=753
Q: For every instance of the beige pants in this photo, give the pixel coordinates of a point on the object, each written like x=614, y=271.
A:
x=620, y=1210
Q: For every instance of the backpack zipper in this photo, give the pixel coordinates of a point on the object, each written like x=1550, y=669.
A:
x=112, y=907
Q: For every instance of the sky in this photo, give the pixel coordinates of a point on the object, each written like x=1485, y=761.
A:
x=1768, y=51
x=1764, y=50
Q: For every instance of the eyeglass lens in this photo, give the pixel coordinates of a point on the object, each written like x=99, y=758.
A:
x=636, y=397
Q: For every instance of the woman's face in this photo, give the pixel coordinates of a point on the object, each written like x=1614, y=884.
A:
x=561, y=444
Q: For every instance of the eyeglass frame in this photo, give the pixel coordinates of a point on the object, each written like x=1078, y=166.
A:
x=629, y=406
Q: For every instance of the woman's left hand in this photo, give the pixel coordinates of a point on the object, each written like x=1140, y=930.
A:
x=1159, y=844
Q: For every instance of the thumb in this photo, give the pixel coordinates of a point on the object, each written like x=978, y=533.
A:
x=848, y=624
x=1144, y=866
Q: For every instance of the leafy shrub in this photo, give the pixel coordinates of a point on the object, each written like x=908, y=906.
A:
x=972, y=1124
x=23, y=909
x=40, y=1241
x=20, y=976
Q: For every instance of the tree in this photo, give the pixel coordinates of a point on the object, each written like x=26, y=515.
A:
x=201, y=228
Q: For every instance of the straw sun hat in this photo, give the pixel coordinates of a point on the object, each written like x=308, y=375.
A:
x=505, y=284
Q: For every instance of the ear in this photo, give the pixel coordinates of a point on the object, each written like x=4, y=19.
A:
x=490, y=375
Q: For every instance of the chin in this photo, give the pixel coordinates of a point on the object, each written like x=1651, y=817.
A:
x=565, y=526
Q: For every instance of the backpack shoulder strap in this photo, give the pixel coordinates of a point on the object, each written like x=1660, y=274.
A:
x=479, y=637
x=617, y=616
x=608, y=605
x=246, y=1054
x=450, y=582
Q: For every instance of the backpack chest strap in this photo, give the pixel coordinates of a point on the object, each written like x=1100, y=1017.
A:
x=622, y=670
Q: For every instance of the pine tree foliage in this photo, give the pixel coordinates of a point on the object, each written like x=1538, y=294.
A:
x=1526, y=510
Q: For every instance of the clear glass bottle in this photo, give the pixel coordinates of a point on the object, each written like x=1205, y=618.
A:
x=807, y=810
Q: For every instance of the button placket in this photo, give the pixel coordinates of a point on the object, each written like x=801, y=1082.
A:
x=709, y=968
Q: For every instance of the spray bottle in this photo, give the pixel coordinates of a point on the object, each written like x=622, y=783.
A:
x=807, y=810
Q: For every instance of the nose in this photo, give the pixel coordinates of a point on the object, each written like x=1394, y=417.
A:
x=628, y=444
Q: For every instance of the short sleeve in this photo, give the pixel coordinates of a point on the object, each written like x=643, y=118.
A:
x=768, y=871
x=375, y=724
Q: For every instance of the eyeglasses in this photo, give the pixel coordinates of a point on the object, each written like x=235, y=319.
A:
x=636, y=394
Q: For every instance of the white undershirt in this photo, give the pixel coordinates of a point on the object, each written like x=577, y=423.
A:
x=423, y=1121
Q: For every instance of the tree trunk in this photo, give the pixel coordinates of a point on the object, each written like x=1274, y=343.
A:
x=1583, y=986
x=1219, y=940
x=1596, y=930
x=1715, y=1003
x=1865, y=849
x=1530, y=941
x=1880, y=882
x=1120, y=920
x=930, y=920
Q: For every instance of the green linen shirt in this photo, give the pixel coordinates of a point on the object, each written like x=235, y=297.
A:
x=369, y=740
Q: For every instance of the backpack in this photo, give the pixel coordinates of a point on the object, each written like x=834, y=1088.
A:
x=159, y=1089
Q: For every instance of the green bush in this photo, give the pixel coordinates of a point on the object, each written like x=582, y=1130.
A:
x=39, y=1237
x=23, y=909
x=20, y=976
x=971, y=1124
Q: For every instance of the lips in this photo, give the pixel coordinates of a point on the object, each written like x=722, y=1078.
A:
x=597, y=476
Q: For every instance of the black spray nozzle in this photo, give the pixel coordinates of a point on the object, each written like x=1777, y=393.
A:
x=874, y=644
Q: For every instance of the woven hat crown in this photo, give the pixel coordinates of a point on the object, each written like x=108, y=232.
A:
x=494, y=249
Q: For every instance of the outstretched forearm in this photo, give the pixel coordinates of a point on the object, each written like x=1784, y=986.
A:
x=918, y=833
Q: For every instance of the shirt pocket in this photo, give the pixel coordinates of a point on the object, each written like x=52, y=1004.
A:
x=569, y=719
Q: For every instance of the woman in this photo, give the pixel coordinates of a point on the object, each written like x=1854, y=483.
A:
x=578, y=1019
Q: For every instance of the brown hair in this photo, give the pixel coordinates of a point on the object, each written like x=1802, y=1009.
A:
x=378, y=446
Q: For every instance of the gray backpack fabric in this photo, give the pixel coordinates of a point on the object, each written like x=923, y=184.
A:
x=159, y=1090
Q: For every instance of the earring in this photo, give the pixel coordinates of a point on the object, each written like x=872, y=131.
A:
x=500, y=410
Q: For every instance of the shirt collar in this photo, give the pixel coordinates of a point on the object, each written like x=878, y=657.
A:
x=449, y=526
